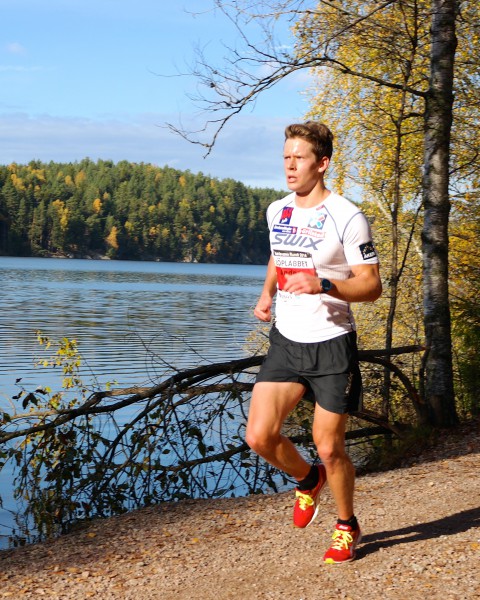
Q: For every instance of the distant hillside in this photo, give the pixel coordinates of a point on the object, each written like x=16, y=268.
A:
x=130, y=211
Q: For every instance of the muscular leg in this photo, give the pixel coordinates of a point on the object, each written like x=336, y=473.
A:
x=329, y=437
x=269, y=407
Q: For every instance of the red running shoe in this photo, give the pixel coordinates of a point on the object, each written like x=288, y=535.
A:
x=345, y=540
x=306, y=506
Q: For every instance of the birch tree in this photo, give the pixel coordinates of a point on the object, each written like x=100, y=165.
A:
x=246, y=73
x=382, y=128
x=438, y=121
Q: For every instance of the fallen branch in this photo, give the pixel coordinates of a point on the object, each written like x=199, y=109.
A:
x=186, y=383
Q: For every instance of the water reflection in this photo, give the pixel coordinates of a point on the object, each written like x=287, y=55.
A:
x=129, y=318
x=133, y=322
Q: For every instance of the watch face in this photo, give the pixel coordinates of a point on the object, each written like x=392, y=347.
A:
x=326, y=285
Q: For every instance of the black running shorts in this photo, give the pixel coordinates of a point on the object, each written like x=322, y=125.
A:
x=329, y=370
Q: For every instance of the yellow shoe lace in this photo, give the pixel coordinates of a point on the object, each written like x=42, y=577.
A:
x=304, y=500
x=341, y=540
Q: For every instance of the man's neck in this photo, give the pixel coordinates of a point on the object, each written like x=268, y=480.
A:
x=315, y=197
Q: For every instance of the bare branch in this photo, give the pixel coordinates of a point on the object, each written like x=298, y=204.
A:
x=184, y=383
x=237, y=84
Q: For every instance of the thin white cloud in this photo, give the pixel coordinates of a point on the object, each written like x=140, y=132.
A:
x=249, y=149
x=16, y=48
x=19, y=69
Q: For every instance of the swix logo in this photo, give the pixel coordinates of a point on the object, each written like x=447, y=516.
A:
x=286, y=215
x=302, y=241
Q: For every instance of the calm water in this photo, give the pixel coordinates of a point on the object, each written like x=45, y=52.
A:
x=133, y=321
x=129, y=318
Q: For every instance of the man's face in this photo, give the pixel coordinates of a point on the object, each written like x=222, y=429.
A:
x=302, y=169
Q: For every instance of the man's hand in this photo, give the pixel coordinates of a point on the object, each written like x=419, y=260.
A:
x=263, y=310
x=302, y=283
x=364, y=286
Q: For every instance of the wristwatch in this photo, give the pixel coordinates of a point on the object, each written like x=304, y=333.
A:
x=326, y=285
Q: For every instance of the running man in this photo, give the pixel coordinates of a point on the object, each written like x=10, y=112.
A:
x=322, y=259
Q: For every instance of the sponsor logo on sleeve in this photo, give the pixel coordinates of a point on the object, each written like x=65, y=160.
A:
x=368, y=250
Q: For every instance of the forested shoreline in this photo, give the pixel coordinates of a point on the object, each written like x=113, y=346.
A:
x=130, y=211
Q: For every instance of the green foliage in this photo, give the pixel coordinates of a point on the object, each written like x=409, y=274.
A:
x=130, y=211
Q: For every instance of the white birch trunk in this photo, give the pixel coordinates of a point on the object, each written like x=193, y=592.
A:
x=439, y=392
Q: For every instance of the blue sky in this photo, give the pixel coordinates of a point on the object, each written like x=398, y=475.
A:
x=96, y=78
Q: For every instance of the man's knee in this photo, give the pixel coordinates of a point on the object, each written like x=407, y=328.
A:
x=326, y=453
x=331, y=451
x=329, y=436
x=270, y=404
x=260, y=440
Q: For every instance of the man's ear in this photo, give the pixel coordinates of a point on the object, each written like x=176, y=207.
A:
x=323, y=165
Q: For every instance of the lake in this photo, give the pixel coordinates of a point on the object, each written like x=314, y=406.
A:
x=132, y=321
x=127, y=317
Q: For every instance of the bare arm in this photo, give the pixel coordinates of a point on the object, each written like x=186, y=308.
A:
x=364, y=286
x=263, y=310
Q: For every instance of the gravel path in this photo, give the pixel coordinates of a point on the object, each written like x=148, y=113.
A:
x=421, y=540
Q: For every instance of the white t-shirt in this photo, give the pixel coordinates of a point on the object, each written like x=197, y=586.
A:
x=323, y=240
